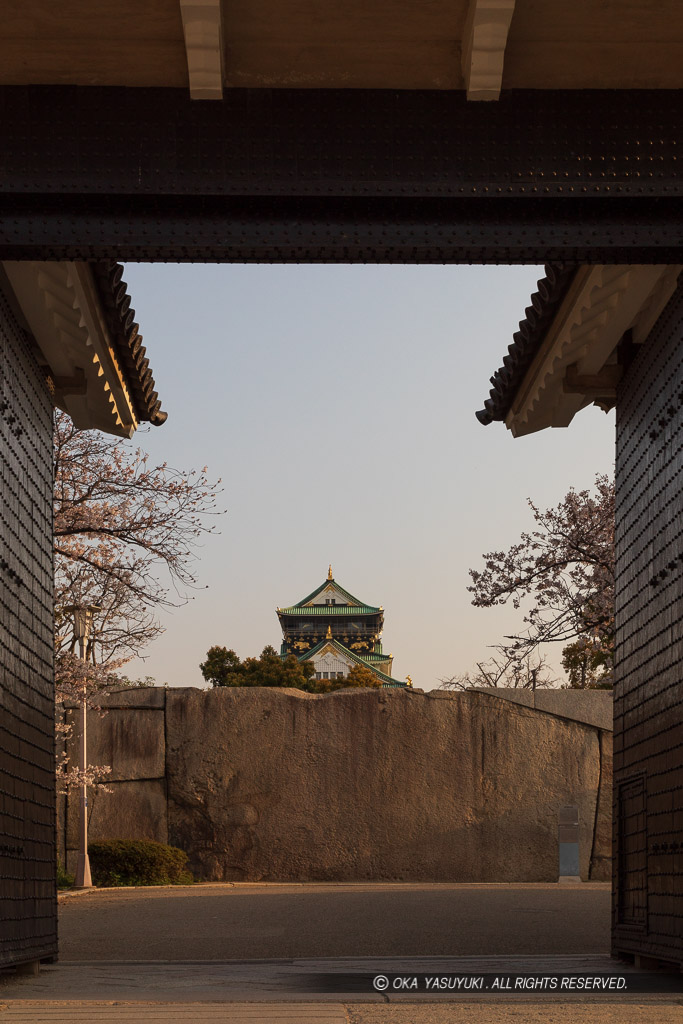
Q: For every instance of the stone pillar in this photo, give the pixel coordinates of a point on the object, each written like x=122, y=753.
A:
x=568, y=842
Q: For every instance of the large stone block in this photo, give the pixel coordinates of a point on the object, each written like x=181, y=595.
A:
x=278, y=784
x=130, y=740
x=593, y=707
x=133, y=810
x=518, y=695
x=136, y=697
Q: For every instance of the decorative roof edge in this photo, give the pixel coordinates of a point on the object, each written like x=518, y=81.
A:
x=300, y=611
x=351, y=654
x=578, y=354
x=63, y=312
x=112, y=292
x=309, y=597
x=545, y=302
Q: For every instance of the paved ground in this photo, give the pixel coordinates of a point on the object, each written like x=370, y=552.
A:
x=226, y=922
x=279, y=954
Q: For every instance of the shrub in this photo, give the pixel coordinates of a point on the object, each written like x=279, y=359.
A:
x=64, y=879
x=137, y=862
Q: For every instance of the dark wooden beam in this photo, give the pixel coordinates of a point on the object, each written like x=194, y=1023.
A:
x=287, y=229
x=340, y=176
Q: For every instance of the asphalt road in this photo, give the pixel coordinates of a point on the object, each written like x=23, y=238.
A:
x=242, y=922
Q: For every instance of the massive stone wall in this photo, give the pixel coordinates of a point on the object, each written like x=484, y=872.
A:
x=260, y=784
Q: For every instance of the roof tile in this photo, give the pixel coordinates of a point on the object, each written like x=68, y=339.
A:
x=527, y=340
x=124, y=332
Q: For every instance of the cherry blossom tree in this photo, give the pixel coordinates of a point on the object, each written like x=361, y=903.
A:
x=563, y=574
x=125, y=533
x=77, y=681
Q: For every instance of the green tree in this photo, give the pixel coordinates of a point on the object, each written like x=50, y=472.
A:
x=272, y=670
x=588, y=665
x=224, y=668
x=361, y=676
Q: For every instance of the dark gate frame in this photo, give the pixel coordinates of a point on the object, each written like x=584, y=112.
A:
x=343, y=176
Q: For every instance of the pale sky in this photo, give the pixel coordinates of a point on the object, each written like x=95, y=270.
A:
x=337, y=404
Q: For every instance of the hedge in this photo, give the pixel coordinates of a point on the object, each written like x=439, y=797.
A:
x=116, y=862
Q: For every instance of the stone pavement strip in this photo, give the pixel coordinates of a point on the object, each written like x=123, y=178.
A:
x=335, y=1013
x=178, y=1013
x=487, y=1013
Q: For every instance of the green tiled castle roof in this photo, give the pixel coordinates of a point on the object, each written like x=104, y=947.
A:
x=330, y=609
x=351, y=609
x=350, y=598
x=387, y=680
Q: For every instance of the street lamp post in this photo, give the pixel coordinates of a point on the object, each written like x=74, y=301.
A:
x=83, y=616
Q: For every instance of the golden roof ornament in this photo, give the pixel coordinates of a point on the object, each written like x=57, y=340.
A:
x=328, y=635
x=329, y=572
x=409, y=681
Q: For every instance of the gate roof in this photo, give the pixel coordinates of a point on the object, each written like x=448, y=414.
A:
x=478, y=45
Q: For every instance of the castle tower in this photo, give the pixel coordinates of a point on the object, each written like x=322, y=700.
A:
x=336, y=631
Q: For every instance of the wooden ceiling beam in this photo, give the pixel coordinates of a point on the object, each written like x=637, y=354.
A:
x=204, y=47
x=483, y=47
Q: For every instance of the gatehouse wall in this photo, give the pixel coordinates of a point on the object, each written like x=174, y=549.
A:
x=647, y=905
x=28, y=892
x=268, y=784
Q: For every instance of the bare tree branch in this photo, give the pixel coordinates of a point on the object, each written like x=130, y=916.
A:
x=125, y=535
x=527, y=670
